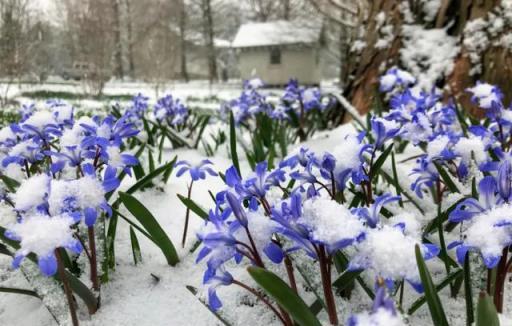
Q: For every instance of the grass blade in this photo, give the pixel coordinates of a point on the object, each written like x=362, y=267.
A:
x=232, y=143
x=447, y=179
x=444, y=283
x=150, y=224
x=434, y=303
x=468, y=293
x=193, y=207
x=486, y=314
x=284, y=296
x=193, y=290
x=137, y=255
x=18, y=291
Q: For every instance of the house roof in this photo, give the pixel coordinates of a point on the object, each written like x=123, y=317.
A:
x=276, y=33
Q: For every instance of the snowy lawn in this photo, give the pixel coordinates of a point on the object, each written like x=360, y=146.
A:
x=343, y=203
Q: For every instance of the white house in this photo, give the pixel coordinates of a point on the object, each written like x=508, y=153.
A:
x=279, y=50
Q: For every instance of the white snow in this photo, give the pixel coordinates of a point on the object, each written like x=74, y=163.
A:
x=389, y=252
x=468, y=147
x=32, y=192
x=40, y=119
x=381, y=317
x=347, y=153
x=483, y=234
x=427, y=53
x=437, y=145
x=276, y=33
x=330, y=221
x=41, y=234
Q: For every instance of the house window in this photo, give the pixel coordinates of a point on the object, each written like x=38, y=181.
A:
x=275, y=56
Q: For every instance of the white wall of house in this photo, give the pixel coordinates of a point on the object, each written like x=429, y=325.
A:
x=299, y=62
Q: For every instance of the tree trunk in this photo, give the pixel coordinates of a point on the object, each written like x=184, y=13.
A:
x=129, y=28
x=286, y=9
x=366, y=68
x=183, y=43
x=453, y=16
x=118, y=48
x=496, y=61
x=209, y=40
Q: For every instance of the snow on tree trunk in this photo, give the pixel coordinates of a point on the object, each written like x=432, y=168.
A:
x=447, y=43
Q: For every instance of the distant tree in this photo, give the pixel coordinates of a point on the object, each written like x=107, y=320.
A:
x=209, y=36
x=183, y=41
x=118, y=46
x=15, y=45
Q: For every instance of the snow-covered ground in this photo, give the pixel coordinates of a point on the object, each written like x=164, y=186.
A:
x=135, y=297
x=153, y=293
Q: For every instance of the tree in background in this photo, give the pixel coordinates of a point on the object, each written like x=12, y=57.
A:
x=15, y=42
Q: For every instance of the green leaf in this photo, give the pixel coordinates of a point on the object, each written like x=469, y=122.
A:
x=18, y=291
x=150, y=176
x=193, y=207
x=138, y=171
x=151, y=225
x=4, y=250
x=345, y=280
x=193, y=290
x=486, y=314
x=10, y=183
x=232, y=143
x=319, y=303
x=468, y=293
x=341, y=263
x=148, y=132
x=137, y=255
x=396, y=183
x=204, y=123
x=446, y=179
x=83, y=292
x=378, y=163
x=284, y=296
x=434, y=303
x=444, y=283
x=412, y=199
x=151, y=160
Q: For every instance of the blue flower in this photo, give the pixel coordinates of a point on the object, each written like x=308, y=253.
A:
x=227, y=236
x=488, y=97
x=170, y=110
x=26, y=111
x=382, y=314
x=313, y=223
x=42, y=235
x=138, y=107
x=371, y=214
x=427, y=175
x=383, y=130
x=490, y=224
x=395, y=77
x=196, y=171
x=108, y=131
x=471, y=207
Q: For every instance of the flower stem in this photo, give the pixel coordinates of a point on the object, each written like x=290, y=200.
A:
x=439, y=199
x=67, y=288
x=187, y=216
x=327, y=285
x=285, y=321
x=94, y=262
x=287, y=261
x=289, y=270
x=501, y=276
x=301, y=132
